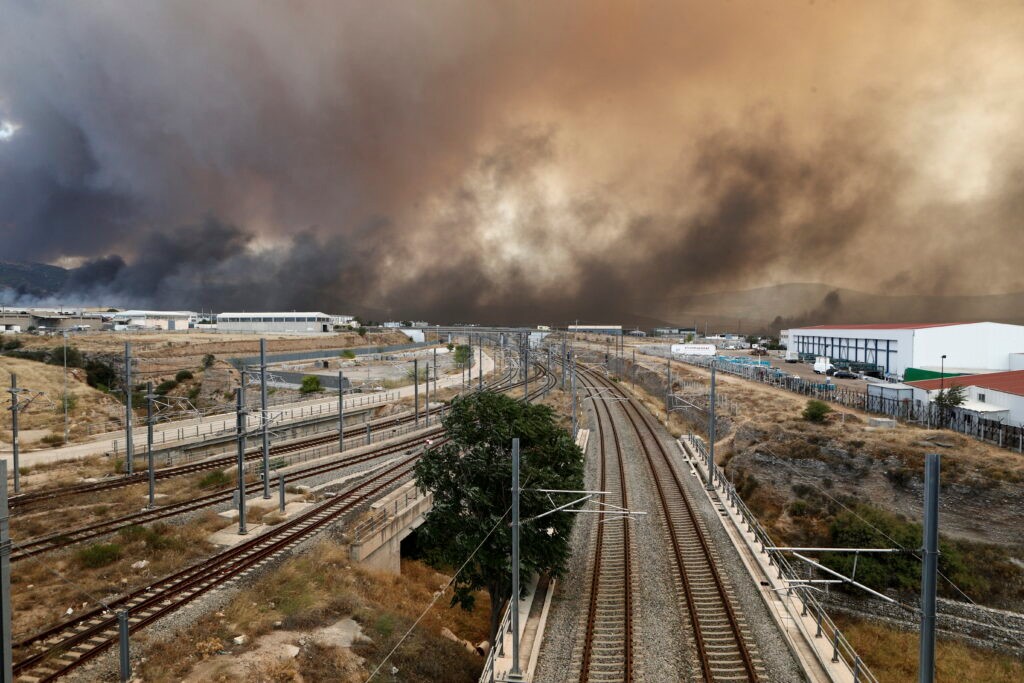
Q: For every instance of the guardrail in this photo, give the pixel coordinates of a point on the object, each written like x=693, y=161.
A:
x=225, y=424
x=826, y=628
x=498, y=647
x=384, y=515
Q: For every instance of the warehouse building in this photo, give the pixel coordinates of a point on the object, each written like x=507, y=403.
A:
x=614, y=330
x=915, y=351
x=287, y=323
x=154, y=320
x=991, y=396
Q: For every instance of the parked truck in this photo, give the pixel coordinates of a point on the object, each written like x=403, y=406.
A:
x=792, y=356
x=822, y=365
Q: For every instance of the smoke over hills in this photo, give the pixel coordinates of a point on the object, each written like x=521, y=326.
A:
x=461, y=160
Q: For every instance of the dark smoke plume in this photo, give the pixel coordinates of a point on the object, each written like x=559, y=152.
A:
x=519, y=162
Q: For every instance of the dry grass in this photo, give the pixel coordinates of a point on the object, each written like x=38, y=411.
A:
x=48, y=413
x=43, y=588
x=891, y=655
x=319, y=588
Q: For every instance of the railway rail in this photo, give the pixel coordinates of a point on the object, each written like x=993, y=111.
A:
x=27, y=501
x=607, y=649
x=60, y=649
x=724, y=647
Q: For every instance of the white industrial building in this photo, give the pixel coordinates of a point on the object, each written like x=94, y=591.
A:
x=154, y=320
x=615, y=330
x=967, y=347
x=287, y=322
x=991, y=396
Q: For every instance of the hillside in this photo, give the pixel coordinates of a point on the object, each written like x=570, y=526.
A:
x=34, y=279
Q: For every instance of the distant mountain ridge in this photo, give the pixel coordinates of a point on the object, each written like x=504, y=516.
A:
x=34, y=279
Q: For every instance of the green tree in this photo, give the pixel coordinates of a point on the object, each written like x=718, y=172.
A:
x=361, y=331
x=348, y=354
x=208, y=361
x=310, y=384
x=463, y=355
x=470, y=477
x=952, y=397
x=816, y=410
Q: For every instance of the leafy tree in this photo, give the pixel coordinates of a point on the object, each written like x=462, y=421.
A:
x=348, y=354
x=183, y=376
x=463, y=355
x=470, y=477
x=165, y=387
x=816, y=410
x=952, y=397
x=451, y=347
x=310, y=384
x=689, y=337
x=208, y=361
x=361, y=331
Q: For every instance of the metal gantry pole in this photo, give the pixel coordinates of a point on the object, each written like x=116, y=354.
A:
x=65, y=396
x=633, y=372
x=480, y=370
x=416, y=392
x=128, y=437
x=565, y=362
x=712, y=429
x=426, y=399
x=513, y=603
x=526, y=372
x=15, y=448
x=149, y=445
x=264, y=419
x=575, y=422
x=124, y=660
x=5, y=577
x=929, y=571
x=668, y=389
x=341, y=412
x=241, y=456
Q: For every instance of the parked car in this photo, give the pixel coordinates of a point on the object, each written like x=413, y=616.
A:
x=845, y=374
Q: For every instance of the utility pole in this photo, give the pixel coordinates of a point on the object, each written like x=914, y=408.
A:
x=426, y=400
x=633, y=373
x=14, y=435
x=515, y=674
x=480, y=370
x=341, y=411
x=149, y=444
x=264, y=419
x=712, y=428
x=65, y=388
x=128, y=437
x=416, y=391
x=926, y=661
x=241, y=419
x=565, y=362
x=6, y=674
x=668, y=389
x=575, y=423
x=526, y=374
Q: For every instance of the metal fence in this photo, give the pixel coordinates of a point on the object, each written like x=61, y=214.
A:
x=826, y=628
x=927, y=415
x=242, y=361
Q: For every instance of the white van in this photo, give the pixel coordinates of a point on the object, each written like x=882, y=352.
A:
x=822, y=365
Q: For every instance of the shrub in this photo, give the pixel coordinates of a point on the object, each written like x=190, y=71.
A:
x=798, y=508
x=53, y=439
x=348, y=354
x=99, y=555
x=165, y=387
x=183, y=376
x=361, y=331
x=208, y=360
x=310, y=384
x=12, y=344
x=193, y=393
x=214, y=479
x=69, y=399
x=816, y=410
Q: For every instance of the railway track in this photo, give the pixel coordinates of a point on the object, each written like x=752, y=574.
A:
x=42, y=544
x=607, y=649
x=27, y=501
x=58, y=650
x=723, y=643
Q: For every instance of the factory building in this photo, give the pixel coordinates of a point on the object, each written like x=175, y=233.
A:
x=991, y=396
x=154, y=320
x=288, y=323
x=915, y=351
x=614, y=330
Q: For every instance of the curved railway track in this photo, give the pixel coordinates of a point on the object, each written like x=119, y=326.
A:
x=41, y=544
x=607, y=650
x=723, y=643
x=56, y=651
x=27, y=501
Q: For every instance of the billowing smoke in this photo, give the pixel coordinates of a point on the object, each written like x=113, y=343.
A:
x=461, y=160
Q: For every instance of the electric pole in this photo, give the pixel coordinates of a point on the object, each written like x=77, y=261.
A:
x=264, y=420
x=129, y=440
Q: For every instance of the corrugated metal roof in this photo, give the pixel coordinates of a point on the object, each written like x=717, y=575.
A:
x=881, y=326
x=1009, y=382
